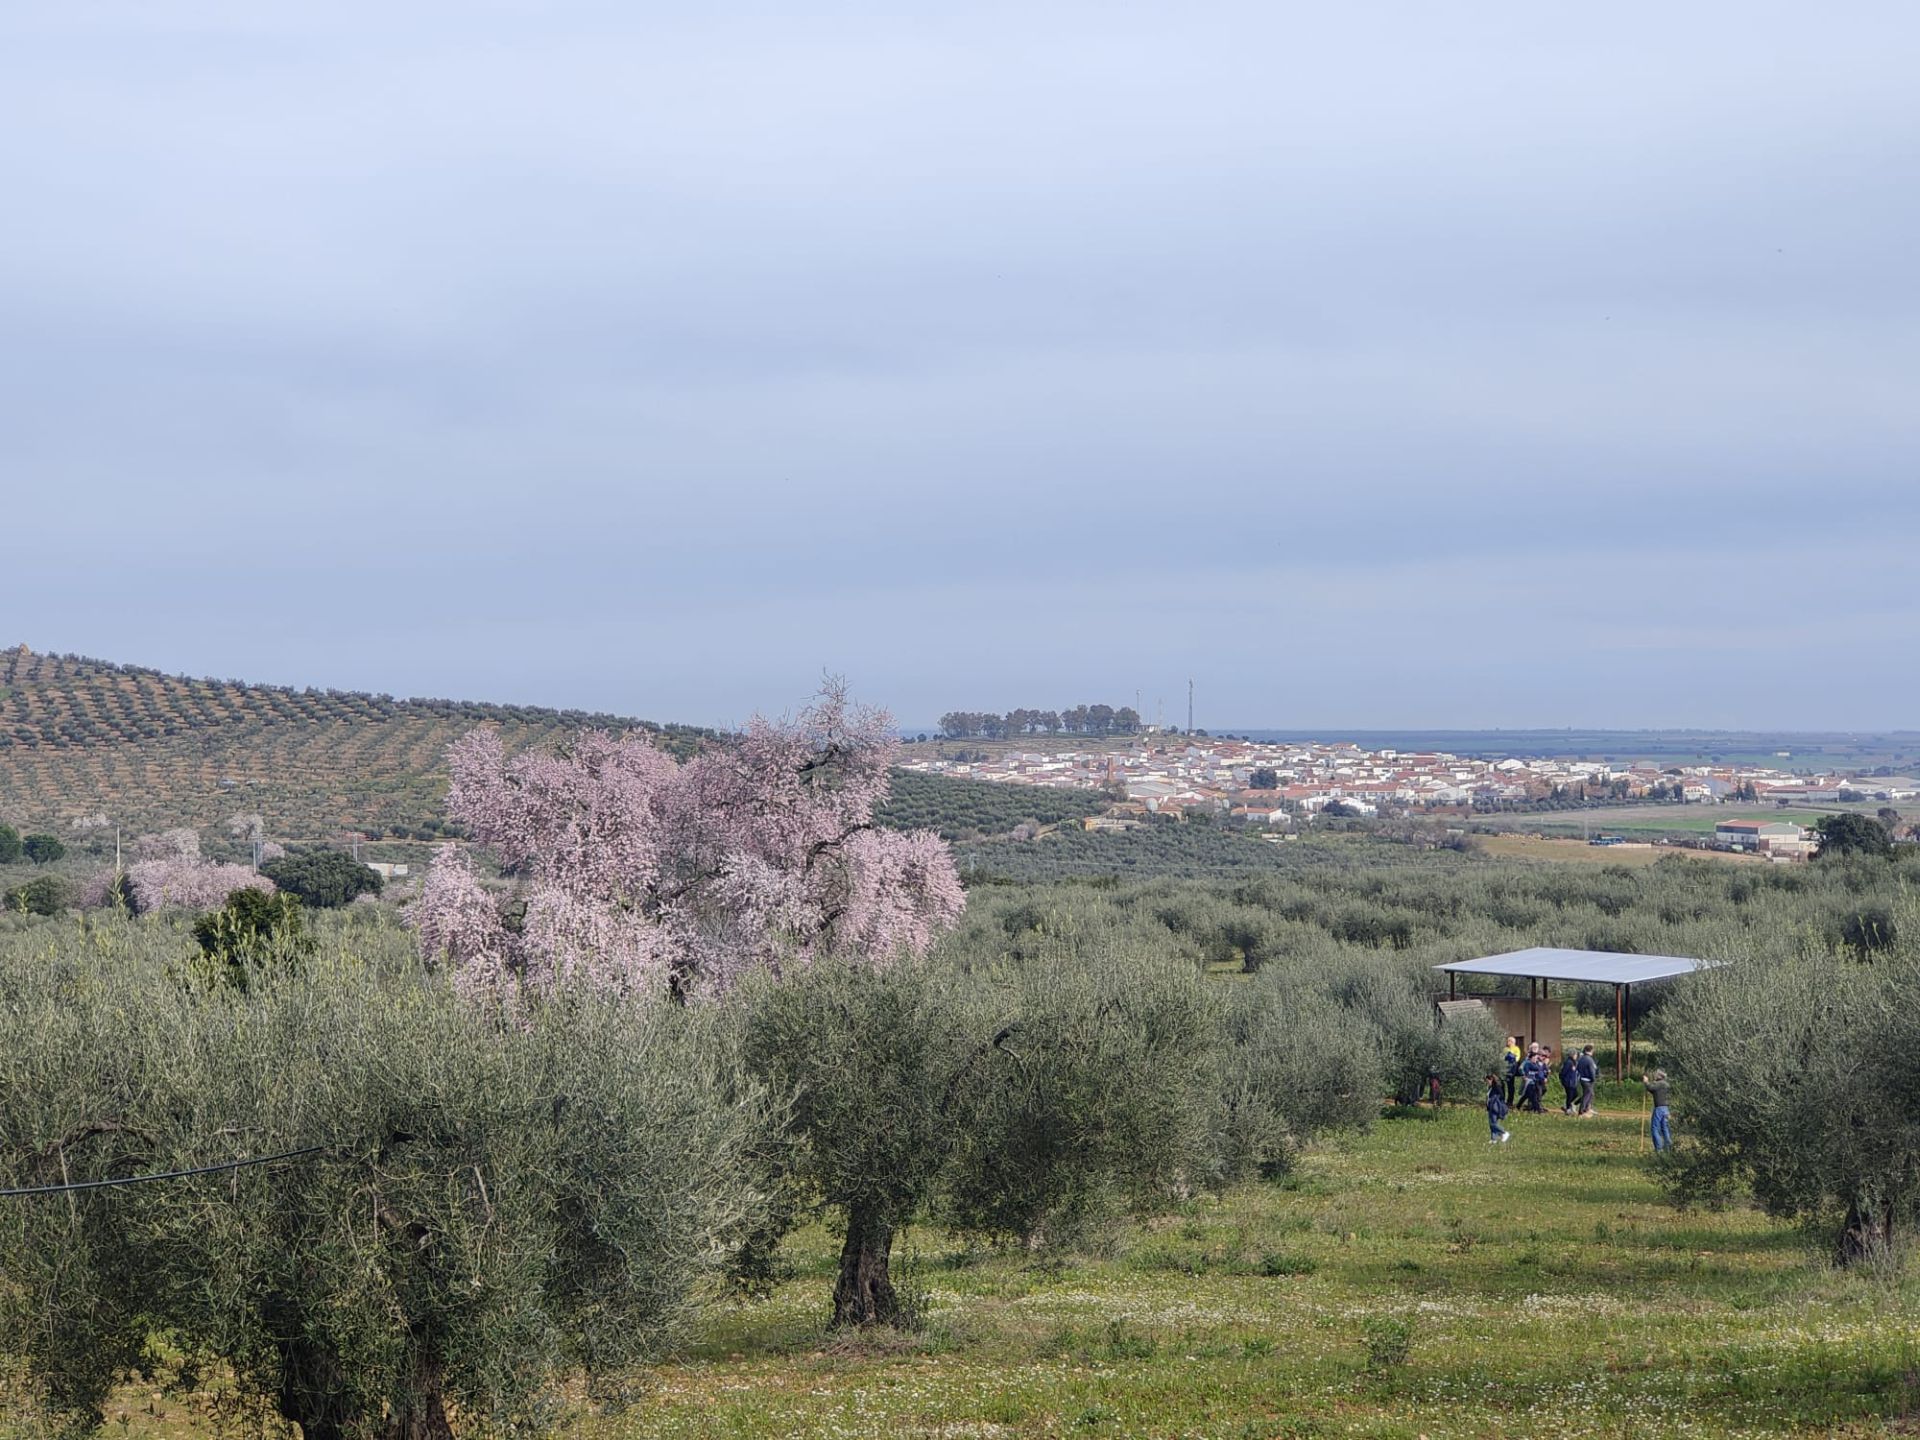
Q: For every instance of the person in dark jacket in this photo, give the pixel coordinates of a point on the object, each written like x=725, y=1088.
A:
x=1536, y=1069
x=1569, y=1080
x=1662, y=1094
x=1496, y=1110
x=1587, y=1071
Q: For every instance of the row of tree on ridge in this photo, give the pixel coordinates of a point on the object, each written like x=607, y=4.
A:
x=1079, y=720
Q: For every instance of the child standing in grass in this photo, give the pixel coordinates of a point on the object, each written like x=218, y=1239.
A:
x=1569, y=1080
x=1496, y=1110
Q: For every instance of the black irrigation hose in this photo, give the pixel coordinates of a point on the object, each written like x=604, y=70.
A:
x=164, y=1175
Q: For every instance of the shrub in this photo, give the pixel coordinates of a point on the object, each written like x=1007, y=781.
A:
x=250, y=930
x=43, y=849
x=1869, y=930
x=43, y=895
x=323, y=879
x=1389, y=1341
x=1277, y=1263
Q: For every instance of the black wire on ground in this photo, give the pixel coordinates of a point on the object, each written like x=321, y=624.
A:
x=164, y=1175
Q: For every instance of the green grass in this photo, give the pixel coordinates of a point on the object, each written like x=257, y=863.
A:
x=1542, y=1287
x=1696, y=823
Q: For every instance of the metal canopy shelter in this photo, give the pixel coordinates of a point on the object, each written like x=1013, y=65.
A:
x=1543, y=964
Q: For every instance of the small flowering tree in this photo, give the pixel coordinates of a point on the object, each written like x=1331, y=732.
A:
x=637, y=875
x=170, y=874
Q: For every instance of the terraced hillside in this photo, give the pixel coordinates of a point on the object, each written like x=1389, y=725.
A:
x=89, y=744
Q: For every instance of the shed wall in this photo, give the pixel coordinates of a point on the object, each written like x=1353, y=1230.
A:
x=1512, y=1014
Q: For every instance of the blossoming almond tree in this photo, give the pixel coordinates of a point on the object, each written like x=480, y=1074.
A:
x=169, y=873
x=636, y=876
x=641, y=875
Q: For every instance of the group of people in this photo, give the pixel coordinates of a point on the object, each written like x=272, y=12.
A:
x=1522, y=1081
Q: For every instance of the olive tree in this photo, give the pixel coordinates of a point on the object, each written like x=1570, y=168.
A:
x=1798, y=1084
x=1296, y=1065
x=1094, y=1096
x=489, y=1207
x=1403, y=1035
x=1029, y=1099
x=880, y=1063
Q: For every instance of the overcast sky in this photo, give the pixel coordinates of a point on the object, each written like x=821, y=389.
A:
x=1376, y=364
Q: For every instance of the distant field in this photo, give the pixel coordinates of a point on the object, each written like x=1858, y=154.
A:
x=1660, y=819
x=1579, y=852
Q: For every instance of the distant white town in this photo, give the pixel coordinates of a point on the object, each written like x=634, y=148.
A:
x=1275, y=783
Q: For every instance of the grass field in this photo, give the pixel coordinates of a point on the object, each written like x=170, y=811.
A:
x=1415, y=1281
x=1579, y=852
x=1662, y=819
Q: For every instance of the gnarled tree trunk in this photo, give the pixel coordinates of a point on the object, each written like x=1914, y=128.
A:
x=313, y=1394
x=313, y=1389
x=863, y=1295
x=1867, y=1233
x=424, y=1414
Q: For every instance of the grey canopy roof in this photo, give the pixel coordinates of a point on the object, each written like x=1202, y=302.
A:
x=1599, y=967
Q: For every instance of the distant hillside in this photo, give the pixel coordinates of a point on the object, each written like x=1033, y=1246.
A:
x=88, y=743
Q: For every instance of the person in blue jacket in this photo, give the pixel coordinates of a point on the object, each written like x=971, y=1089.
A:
x=1535, y=1070
x=1587, y=1071
x=1496, y=1110
x=1569, y=1080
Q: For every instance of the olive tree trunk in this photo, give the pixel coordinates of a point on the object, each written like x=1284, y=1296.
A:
x=863, y=1293
x=423, y=1416
x=1867, y=1233
x=313, y=1394
x=313, y=1390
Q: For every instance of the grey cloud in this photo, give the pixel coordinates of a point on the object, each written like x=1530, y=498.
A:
x=968, y=348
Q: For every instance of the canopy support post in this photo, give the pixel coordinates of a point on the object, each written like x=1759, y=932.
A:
x=1627, y=1011
x=1619, y=1032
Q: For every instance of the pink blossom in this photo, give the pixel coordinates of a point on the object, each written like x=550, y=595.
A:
x=181, y=844
x=638, y=874
x=459, y=923
x=189, y=884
